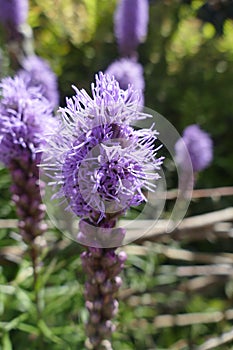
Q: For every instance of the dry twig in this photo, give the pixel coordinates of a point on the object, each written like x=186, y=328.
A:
x=212, y=343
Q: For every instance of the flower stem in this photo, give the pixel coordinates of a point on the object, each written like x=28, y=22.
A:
x=34, y=260
x=34, y=254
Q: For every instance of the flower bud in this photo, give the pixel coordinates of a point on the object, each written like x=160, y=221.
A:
x=100, y=277
x=95, y=317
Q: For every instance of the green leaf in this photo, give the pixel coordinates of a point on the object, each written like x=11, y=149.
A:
x=7, y=289
x=13, y=324
x=24, y=301
x=28, y=329
x=46, y=331
x=6, y=342
x=43, y=278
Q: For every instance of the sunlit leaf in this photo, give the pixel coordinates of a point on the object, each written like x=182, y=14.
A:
x=48, y=333
x=6, y=342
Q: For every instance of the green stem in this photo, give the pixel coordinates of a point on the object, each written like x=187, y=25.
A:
x=34, y=258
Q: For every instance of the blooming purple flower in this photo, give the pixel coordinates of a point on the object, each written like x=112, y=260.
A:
x=100, y=165
x=13, y=13
x=131, y=21
x=38, y=73
x=128, y=72
x=25, y=116
x=100, y=162
x=199, y=145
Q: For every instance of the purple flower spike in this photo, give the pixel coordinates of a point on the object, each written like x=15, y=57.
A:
x=131, y=21
x=100, y=162
x=128, y=72
x=25, y=116
x=199, y=145
x=13, y=13
x=38, y=73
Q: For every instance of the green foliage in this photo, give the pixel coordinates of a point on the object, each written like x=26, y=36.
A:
x=6, y=208
x=151, y=288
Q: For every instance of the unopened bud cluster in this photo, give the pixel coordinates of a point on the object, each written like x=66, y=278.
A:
x=102, y=267
x=26, y=194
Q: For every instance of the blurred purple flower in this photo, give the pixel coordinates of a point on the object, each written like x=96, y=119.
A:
x=25, y=119
x=13, y=13
x=38, y=73
x=101, y=163
x=25, y=116
x=131, y=21
x=199, y=145
x=128, y=72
